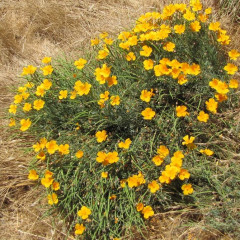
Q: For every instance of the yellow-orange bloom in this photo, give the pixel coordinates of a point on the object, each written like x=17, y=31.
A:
x=46, y=60
x=82, y=88
x=63, y=94
x=187, y=189
x=195, y=26
x=79, y=154
x=233, y=54
x=231, y=68
x=33, y=175
x=47, y=70
x=79, y=229
x=163, y=151
x=25, y=124
x=140, y=207
x=188, y=141
x=102, y=54
x=52, y=198
x=52, y=147
x=148, y=114
x=28, y=70
x=63, y=149
x=179, y=29
x=95, y=41
x=202, y=116
x=80, y=63
x=41, y=155
x=13, y=109
x=38, y=104
x=27, y=107
x=101, y=136
x=207, y=151
x=115, y=100
x=214, y=26
x=84, y=212
x=125, y=144
x=158, y=160
x=169, y=46
x=153, y=186
x=182, y=111
x=212, y=105
x=233, y=83
x=104, y=174
x=148, y=64
x=183, y=174
x=12, y=122
x=146, y=95
x=56, y=186
x=147, y=212
x=131, y=56
x=146, y=52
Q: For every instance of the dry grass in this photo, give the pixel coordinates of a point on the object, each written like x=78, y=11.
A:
x=30, y=30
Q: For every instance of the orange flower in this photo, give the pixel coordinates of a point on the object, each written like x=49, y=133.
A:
x=187, y=189
x=80, y=63
x=202, y=116
x=56, y=186
x=104, y=174
x=163, y=151
x=140, y=207
x=181, y=111
x=33, y=175
x=102, y=54
x=146, y=52
x=147, y=212
x=46, y=60
x=230, y=68
x=212, y=105
x=169, y=46
x=153, y=186
x=79, y=154
x=47, y=70
x=184, y=174
x=179, y=29
x=125, y=144
x=101, y=136
x=63, y=94
x=158, y=160
x=207, y=151
x=84, y=212
x=146, y=95
x=131, y=57
x=52, y=147
x=188, y=141
x=52, y=199
x=148, y=64
x=12, y=122
x=214, y=26
x=115, y=100
x=148, y=114
x=38, y=104
x=25, y=124
x=195, y=26
x=79, y=229
x=233, y=54
x=233, y=83
x=63, y=149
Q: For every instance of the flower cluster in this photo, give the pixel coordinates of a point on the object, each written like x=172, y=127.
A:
x=99, y=118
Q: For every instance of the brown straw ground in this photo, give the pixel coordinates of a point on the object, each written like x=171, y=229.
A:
x=30, y=30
